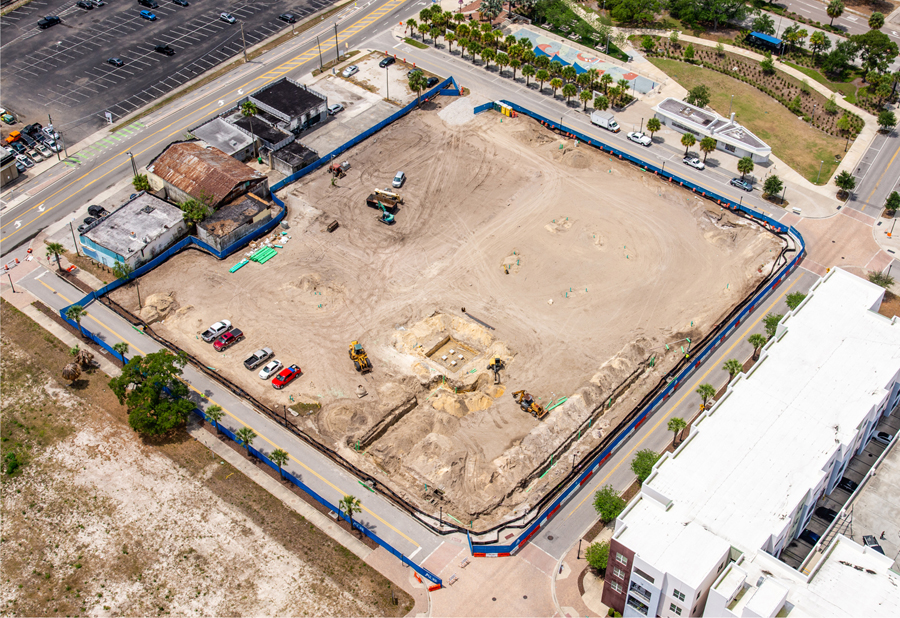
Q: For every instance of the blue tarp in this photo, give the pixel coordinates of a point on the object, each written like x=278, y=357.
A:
x=765, y=37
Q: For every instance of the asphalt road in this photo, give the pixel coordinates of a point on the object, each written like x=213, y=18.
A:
x=877, y=175
x=63, y=71
x=58, y=193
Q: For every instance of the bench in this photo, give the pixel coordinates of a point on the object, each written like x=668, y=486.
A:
x=453, y=580
x=464, y=563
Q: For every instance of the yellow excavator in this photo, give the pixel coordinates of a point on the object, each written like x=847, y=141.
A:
x=360, y=358
x=496, y=365
x=528, y=404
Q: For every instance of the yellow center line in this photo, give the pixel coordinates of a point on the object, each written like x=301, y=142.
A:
x=686, y=393
x=303, y=465
x=306, y=56
x=102, y=325
x=882, y=175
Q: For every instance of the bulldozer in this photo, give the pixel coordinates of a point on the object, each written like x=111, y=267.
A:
x=339, y=170
x=359, y=357
x=496, y=365
x=528, y=404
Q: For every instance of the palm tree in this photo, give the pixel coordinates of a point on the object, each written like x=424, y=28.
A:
x=613, y=94
x=542, y=76
x=463, y=43
x=350, y=505
x=653, y=125
x=418, y=82
x=569, y=74
x=279, y=458
x=248, y=110
x=474, y=50
x=487, y=55
x=435, y=32
x=423, y=30
x=733, y=366
x=556, y=84
x=623, y=85
x=707, y=145
x=502, y=61
x=528, y=56
x=542, y=62
x=593, y=77
x=55, y=249
x=585, y=96
x=605, y=80
x=706, y=391
x=75, y=313
x=411, y=24
x=245, y=437
x=514, y=64
x=450, y=37
x=745, y=166
x=71, y=372
x=214, y=414
x=528, y=71
x=556, y=68
x=569, y=91
x=835, y=9
x=601, y=103
x=757, y=340
x=688, y=140
x=122, y=349
x=676, y=425
x=817, y=42
x=462, y=31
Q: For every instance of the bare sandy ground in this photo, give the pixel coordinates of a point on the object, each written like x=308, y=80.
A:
x=584, y=267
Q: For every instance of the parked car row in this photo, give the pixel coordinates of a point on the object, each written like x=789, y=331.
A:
x=32, y=144
x=223, y=335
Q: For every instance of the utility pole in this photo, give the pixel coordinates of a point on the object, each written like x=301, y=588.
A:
x=337, y=47
x=321, y=64
x=75, y=240
x=244, y=40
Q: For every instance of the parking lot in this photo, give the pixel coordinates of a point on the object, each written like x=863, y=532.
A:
x=63, y=70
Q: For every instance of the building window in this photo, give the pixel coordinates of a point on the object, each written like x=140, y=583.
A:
x=641, y=608
x=619, y=573
x=621, y=559
x=675, y=608
x=644, y=575
x=678, y=595
x=730, y=148
x=640, y=591
x=616, y=586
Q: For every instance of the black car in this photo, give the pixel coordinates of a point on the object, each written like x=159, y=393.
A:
x=164, y=49
x=182, y=2
x=848, y=484
x=116, y=62
x=810, y=537
x=87, y=223
x=32, y=129
x=150, y=4
x=387, y=62
x=287, y=18
x=84, y=4
x=18, y=147
x=826, y=513
x=432, y=82
x=97, y=211
x=49, y=20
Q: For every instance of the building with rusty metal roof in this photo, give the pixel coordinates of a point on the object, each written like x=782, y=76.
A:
x=191, y=169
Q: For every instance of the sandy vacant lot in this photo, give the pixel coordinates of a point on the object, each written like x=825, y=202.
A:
x=584, y=268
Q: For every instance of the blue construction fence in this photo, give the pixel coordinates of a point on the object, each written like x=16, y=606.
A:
x=434, y=579
x=697, y=358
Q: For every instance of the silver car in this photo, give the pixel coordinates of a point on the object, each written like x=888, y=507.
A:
x=350, y=70
x=270, y=370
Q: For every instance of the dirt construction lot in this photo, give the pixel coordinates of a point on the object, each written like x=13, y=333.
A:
x=581, y=267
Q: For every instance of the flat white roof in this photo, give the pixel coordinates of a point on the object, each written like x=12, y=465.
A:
x=752, y=460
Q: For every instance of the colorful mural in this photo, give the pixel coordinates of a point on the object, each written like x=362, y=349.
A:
x=582, y=61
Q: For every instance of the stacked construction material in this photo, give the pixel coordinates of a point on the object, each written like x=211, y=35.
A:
x=238, y=266
x=263, y=255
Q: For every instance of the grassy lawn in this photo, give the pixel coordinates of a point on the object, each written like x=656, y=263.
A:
x=415, y=43
x=845, y=88
x=792, y=140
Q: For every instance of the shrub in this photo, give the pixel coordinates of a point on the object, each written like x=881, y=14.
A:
x=597, y=556
x=608, y=503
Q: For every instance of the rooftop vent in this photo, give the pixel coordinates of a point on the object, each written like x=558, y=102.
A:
x=147, y=209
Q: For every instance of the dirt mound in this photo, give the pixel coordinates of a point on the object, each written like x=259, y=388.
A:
x=157, y=307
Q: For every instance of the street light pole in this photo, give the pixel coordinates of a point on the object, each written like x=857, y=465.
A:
x=14, y=287
x=821, y=163
x=321, y=64
x=133, y=165
x=337, y=46
x=387, y=82
x=244, y=40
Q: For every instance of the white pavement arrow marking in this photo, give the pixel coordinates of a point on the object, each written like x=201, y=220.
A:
x=18, y=224
x=241, y=91
x=221, y=102
x=41, y=208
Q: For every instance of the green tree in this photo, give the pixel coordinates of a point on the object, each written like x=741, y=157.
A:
x=608, y=503
x=689, y=53
x=76, y=313
x=733, y=366
x=698, y=95
x=839, y=59
x=653, y=125
x=709, y=11
x=636, y=11
x=601, y=103
x=819, y=42
x=245, y=436
x=569, y=74
x=514, y=64
x=556, y=84
x=487, y=55
x=193, y=211
x=706, y=392
x=688, y=140
x=757, y=341
x=157, y=401
x=835, y=9
x=569, y=91
x=450, y=37
x=648, y=44
x=141, y=183
x=542, y=76
x=350, y=505
x=417, y=83
x=773, y=185
x=794, y=299
x=411, y=25
x=585, y=96
x=121, y=349
x=882, y=279
x=676, y=425
x=248, y=111
x=845, y=182
x=56, y=249
x=887, y=120
x=528, y=71
x=876, y=21
x=279, y=458
x=764, y=23
x=767, y=65
x=745, y=166
x=214, y=414
x=876, y=50
x=643, y=462
x=605, y=80
x=597, y=556
x=771, y=323
x=122, y=270
x=673, y=38
x=707, y=145
x=892, y=203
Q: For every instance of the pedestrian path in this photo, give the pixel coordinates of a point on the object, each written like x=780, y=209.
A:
x=105, y=143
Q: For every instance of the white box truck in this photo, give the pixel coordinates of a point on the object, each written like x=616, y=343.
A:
x=605, y=120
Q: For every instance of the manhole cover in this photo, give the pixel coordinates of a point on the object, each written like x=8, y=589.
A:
x=493, y=598
x=524, y=596
x=550, y=537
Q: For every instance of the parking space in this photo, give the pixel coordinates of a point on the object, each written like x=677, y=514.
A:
x=65, y=70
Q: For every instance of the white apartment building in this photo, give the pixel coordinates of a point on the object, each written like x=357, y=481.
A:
x=704, y=534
